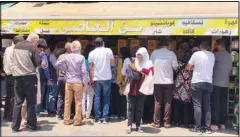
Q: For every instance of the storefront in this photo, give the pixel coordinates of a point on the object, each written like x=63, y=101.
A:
x=131, y=24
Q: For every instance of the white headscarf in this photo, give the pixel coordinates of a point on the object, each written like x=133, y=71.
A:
x=146, y=62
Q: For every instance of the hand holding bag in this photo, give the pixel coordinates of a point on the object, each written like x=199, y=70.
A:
x=147, y=85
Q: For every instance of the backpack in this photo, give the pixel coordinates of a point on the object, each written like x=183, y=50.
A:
x=132, y=74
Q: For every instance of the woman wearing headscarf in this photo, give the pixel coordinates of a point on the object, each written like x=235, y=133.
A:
x=143, y=66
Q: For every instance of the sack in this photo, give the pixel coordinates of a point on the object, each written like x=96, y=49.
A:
x=147, y=86
x=132, y=74
x=127, y=89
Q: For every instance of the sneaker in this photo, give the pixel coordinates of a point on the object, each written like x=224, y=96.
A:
x=129, y=130
x=98, y=121
x=59, y=117
x=15, y=130
x=105, y=121
x=208, y=131
x=195, y=131
x=140, y=130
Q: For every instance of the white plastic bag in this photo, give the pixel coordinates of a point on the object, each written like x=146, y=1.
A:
x=147, y=85
x=127, y=89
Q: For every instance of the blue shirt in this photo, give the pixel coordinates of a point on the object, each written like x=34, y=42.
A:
x=44, y=58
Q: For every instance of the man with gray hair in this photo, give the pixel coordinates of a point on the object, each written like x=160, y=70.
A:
x=74, y=66
x=8, y=69
x=25, y=61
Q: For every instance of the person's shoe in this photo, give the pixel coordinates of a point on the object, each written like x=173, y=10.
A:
x=15, y=130
x=105, y=121
x=129, y=130
x=66, y=123
x=214, y=127
x=222, y=127
x=140, y=130
x=208, y=131
x=196, y=131
x=98, y=121
x=59, y=117
x=155, y=125
x=32, y=128
x=88, y=117
x=38, y=114
x=167, y=125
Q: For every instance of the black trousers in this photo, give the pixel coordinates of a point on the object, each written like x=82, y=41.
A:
x=61, y=97
x=219, y=100
x=135, y=109
x=25, y=87
x=118, y=103
x=182, y=112
x=201, y=93
x=8, y=109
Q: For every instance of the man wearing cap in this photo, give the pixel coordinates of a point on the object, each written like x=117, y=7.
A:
x=8, y=64
x=25, y=61
x=101, y=59
x=61, y=84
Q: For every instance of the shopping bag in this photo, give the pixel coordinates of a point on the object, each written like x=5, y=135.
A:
x=147, y=85
x=127, y=89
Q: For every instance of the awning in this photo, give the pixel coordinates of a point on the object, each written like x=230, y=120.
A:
x=123, y=18
x=5, y=5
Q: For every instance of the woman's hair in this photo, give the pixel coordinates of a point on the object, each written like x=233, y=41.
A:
x=88, y=49
x=125, y=52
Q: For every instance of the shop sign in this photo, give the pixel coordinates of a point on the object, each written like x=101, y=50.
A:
x=213, y=27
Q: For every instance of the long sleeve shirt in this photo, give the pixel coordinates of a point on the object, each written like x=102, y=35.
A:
x=46, y=68
x=75, y=67
x=8, y=60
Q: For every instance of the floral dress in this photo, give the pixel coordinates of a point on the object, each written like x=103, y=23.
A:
x=183, y=84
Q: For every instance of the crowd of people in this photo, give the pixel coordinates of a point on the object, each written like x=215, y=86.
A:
x=190, y=85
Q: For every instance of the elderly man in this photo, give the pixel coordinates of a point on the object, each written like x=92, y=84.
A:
x=74, y=66
x=8, y=69
x=25, y=61
x=61, y=84
x=101, y=59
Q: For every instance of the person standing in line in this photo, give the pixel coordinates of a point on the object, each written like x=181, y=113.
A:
x=101, y=59
x=87, y=100
x=8, y=69
x=165, y=62
x=42, y=46
x=74, y=66
x=61, y=84
x=25, y=61
x=202, y=63
x=51, y=97
x=221, y=74
x=142, y=65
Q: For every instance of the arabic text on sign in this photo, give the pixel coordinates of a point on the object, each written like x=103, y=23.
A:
x=188, y=31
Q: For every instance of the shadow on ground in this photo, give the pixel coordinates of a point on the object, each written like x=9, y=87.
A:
x=151, y=130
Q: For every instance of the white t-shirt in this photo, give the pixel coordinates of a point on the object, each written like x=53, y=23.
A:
x=101, y=58
x=203, y=63
x=163, y=61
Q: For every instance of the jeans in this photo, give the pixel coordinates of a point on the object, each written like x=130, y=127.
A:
x=61, y=97
x=135, y=109
x=73, y=90
x=25, y=87
x=163, y=98
x=219, y=100
x=40, y=106
x=105, y=86
x=201, y=93
x=87, y=101
x=51, y=100
x=8, y=108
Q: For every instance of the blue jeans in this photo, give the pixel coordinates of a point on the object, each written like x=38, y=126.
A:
x=105, y=86
x=51, y=99
x=39, y=107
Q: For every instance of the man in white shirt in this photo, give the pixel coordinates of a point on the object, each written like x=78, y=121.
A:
x=100, y=60
x=8, y=69
x=202, y=63
x=165, y=61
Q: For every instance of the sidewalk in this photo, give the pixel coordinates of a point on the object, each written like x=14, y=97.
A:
x=53, y=127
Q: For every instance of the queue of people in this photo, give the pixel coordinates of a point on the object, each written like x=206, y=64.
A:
x=71, y=83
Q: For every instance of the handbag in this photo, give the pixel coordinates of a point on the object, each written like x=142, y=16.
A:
x=147, y=87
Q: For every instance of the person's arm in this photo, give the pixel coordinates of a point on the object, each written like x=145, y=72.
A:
x=61, y=64
x=84, y=73
x=124, y=68
x=191, y=63
x=91, y=68
x=174, y=61
x=112, y=59
x=45, y=68
x=36, y=59
x=147, y=71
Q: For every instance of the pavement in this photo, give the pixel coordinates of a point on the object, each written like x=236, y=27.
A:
x=51, y=126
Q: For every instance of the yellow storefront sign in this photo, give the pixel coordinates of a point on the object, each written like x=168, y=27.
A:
x=212, y=27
